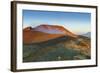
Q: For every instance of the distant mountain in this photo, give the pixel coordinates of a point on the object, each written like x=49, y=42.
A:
x=87, y=34
x=45, y=32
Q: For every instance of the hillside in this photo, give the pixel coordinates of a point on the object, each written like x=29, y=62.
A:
x=58, y=49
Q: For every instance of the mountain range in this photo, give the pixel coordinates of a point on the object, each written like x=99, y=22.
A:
x=88, y=34
x=53, y=43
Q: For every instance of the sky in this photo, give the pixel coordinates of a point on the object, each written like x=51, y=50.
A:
x=76, y=22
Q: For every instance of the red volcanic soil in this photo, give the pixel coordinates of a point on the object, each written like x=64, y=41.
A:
x=44, y=33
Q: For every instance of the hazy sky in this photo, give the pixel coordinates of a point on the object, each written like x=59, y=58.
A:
x=76, y=22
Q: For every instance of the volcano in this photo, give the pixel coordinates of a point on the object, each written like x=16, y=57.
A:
x=54, y=43
x=45, y=32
